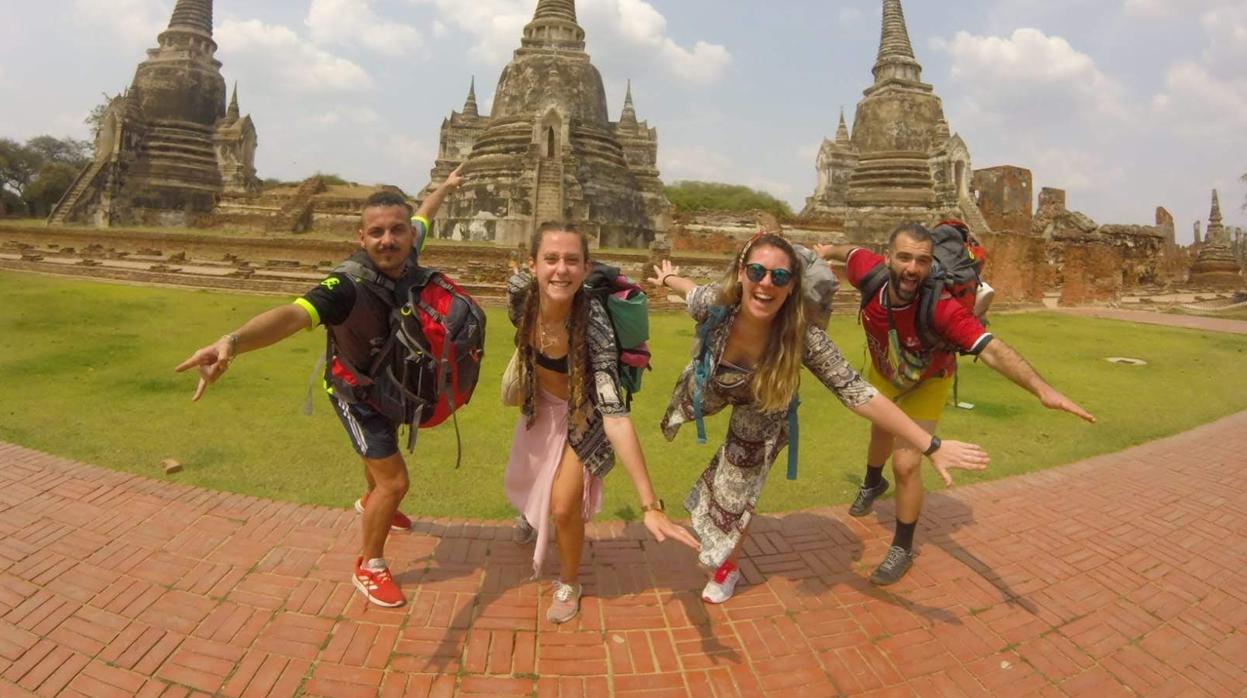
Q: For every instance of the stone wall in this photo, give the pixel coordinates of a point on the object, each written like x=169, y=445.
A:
x=1004, y=195
x=1017, y=267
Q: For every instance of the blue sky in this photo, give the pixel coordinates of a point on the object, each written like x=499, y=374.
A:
x=1127, y=104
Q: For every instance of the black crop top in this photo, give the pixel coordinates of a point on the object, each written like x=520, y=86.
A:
x=558, y=365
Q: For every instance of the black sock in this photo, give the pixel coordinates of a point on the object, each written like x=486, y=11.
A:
x=904, y=537
x=874, y=475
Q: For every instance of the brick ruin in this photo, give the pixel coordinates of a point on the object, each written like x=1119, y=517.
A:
x=168, y=148
x=900, y=161
x=549, y=151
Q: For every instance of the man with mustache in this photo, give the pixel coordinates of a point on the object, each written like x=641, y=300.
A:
x=918, y=378
x=356, y=314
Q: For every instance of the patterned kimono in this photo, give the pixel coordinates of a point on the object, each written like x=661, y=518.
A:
x=725, y=496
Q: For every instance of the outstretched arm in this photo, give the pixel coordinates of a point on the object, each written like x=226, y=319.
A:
x=838, y=253
x=949, y=455
x=267, y=328
x=432, y=202
x=668, y=275
x=623, y=438
x=1010, y=364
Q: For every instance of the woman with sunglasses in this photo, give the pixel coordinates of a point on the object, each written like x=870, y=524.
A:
x=753, y=339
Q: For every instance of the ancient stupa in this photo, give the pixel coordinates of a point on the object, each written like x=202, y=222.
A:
x=901, y=162
x=1216, y=265
x=548, y=150
x=168, y=147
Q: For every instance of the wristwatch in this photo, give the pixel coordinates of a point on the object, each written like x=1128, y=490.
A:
x=935, y=446
x=656, y=505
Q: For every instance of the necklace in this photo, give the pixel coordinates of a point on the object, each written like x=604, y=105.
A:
x=548, y=338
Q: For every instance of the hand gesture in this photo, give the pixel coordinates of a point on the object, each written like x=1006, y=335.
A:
x=662, y=528
x=958, y=455
x=212, y=362
x=823, y=251
x=662, y=271
x=1054, y=400
x=455, y=178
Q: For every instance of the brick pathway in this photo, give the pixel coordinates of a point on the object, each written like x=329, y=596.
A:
x=1192, y=322
x=1124, y=573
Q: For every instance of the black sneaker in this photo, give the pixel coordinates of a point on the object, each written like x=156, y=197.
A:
x=893, y=567
x=866, y=496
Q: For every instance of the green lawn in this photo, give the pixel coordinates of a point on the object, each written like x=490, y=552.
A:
x=88, y=371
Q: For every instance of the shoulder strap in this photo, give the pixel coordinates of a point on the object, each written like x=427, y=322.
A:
x=872, y=282
x=702, y=368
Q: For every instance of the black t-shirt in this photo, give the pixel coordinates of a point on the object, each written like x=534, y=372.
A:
x=357, y=319
x=332, y=299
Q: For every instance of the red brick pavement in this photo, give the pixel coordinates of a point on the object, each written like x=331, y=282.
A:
x=1126, y=573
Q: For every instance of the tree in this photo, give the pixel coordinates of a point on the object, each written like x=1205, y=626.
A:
x=48, y=186
x=18, y=164
x=717, y=196
x=96, y=118
x=69, y=151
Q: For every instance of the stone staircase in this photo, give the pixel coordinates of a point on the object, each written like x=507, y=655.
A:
x=973, y=216
x=549, y=192
x=84, y=180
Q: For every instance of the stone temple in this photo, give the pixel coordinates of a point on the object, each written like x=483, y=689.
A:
x=549, y=151
x=1216, y=264
x=900, y=162
x=168, y=147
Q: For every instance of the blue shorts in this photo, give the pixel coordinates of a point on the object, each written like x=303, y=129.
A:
x=372, y=435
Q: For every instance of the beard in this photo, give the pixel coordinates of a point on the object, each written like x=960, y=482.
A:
x=906, y=296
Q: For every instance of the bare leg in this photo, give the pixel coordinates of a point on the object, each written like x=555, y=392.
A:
x=566, y=497
x=907, y=469
x=388, y=476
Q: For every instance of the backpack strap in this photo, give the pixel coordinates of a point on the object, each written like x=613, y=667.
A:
x=794, y=436
x=703, y=365
x=871, y=282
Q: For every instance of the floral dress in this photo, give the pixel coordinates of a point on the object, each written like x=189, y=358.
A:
x=725, y=496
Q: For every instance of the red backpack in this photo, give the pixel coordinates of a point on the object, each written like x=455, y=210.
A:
x=430, y=362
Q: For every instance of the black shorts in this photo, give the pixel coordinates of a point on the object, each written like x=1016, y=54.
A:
x=372, y=435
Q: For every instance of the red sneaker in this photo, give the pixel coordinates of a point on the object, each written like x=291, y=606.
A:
x=399, y=523
x=377, y=586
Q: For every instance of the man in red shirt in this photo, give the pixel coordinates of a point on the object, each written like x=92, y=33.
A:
x=916, y=377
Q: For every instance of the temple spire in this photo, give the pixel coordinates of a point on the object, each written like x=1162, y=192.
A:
x=628, y=118
x=1214, y=216
x=232, y=114
x=896, y=55
x=554, y=27
x=556, y=9
x=469, y=106
x=195, y=15
x=842, y=131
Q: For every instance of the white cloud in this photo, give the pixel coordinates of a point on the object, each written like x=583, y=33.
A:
x=133, y=21
x=354, y=23
x=274, y=55
x=1207, y=98
x=632, y=31
x=695, y=163
x=1030, y=72
x=340, y=116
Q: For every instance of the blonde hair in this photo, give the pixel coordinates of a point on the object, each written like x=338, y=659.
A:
x=778, y=374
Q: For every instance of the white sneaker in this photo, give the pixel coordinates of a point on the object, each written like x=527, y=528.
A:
x=523, y=533
x=721, y=587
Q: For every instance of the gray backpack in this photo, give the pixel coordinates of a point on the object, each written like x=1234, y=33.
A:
x=818, y=287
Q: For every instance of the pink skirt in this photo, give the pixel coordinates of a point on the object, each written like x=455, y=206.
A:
x=535, y=456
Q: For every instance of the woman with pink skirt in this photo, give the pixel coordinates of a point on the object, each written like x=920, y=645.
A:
x=573, y=419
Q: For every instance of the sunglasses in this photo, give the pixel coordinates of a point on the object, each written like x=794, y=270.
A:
x=756, y=273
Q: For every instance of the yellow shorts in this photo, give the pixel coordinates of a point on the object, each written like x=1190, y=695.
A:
x=923, y=402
